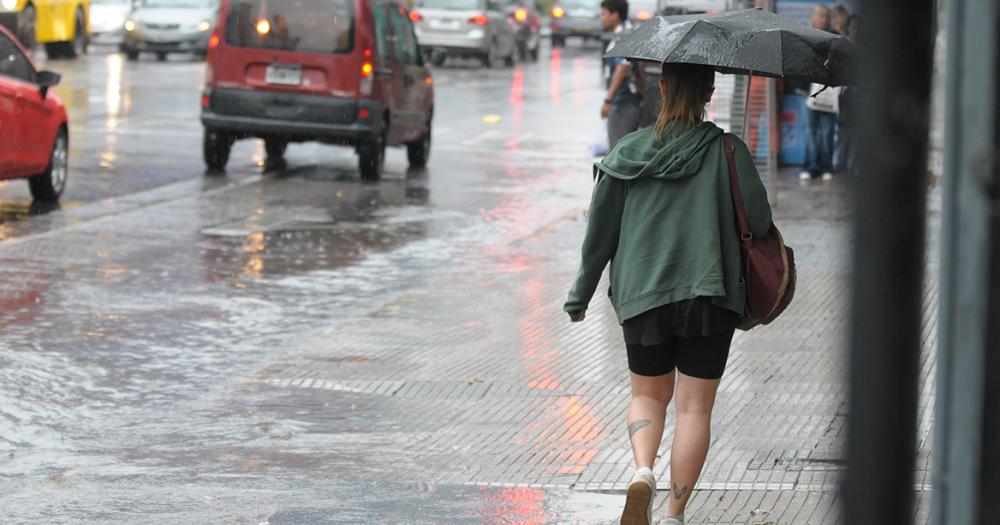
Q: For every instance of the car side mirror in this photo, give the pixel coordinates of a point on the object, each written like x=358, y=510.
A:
x=47, y=79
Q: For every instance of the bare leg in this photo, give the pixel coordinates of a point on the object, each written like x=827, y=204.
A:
x=694, y=402
x=646, y=414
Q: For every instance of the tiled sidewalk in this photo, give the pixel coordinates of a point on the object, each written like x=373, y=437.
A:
x=490, y=385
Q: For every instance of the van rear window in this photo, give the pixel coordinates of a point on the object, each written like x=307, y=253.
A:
x=312, y=26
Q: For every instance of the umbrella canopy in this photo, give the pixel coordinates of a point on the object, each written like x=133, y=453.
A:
x=742, y=42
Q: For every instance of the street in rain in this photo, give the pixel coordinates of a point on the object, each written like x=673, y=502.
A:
x=243, y=281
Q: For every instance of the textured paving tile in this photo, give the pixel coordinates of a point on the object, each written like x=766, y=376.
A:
x=519, y=397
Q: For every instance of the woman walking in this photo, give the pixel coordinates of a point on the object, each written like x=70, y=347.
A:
x=662, y=215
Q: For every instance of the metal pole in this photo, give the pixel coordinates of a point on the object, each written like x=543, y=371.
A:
x=746, y=107
x=890, y=199
x=773, y=141
x=966, y=446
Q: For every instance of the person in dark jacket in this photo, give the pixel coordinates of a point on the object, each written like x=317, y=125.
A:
x=662, y=215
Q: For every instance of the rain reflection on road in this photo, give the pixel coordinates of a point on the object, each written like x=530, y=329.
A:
x=134, y=315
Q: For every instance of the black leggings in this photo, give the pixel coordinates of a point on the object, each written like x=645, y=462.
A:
x=702, y=357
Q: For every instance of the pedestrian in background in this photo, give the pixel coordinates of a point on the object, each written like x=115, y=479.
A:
x=662, y=214
x=844, y=160
x=621, y=103
x=821, y=118
x=838, y=20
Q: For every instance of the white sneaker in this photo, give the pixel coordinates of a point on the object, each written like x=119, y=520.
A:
x=639, y=499
x=674, y=520
x=827, y=177
x=805, y=175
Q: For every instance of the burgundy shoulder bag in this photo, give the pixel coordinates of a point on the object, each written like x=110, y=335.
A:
x=768, y=265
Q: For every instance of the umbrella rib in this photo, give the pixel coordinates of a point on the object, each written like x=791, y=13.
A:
x=684, y=38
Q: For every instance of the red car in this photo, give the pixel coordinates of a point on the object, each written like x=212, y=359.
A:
x=34, y=135
x=344, y=72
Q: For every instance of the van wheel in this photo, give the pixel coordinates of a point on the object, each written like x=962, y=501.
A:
x=54, y=50
x=419, y=151
x=216, y=146
x=438, y=58
x=558, y=41
x=161, y=56
x=275, y=149
x=131, y=54
x=371, y=159
x=49, y=186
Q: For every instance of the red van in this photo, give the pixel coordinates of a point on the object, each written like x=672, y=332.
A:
x=345, y=72
x=34, y=134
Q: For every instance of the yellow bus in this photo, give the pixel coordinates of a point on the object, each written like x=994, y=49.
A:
x=62, y=25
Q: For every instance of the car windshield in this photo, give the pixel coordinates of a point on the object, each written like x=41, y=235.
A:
x=452, y=5
x=313, y=26
x=198, y=4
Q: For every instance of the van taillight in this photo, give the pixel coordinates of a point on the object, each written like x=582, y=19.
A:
x=206, y=100
x=213, y=45
x=415, y=16
x=479, y=20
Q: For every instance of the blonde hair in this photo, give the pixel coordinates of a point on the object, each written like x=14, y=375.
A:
x=688, y=90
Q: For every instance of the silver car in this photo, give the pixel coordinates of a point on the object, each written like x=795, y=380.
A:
x=576, y=18
x=169, y=26
x=471, y=28
x=107, y=21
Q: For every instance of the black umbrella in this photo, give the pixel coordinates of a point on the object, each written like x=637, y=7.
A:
x=742, y=42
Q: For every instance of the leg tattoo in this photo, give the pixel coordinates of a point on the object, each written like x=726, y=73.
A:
x=679, y=492
x=637, y=426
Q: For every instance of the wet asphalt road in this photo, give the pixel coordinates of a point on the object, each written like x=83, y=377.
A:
x=134, y=315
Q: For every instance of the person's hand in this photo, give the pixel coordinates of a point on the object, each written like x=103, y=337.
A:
x=576, y=317
x=605, y=110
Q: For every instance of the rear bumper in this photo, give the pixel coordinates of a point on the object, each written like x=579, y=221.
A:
x=462, y=43
x=573, y=27
x=175, y=42
x=294, y=117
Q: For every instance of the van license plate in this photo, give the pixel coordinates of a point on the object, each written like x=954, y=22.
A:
x=284, y=75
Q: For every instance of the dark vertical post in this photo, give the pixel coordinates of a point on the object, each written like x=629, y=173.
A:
x=891, y=192
x=990, y=482
x=989, y=509
x=965, y=419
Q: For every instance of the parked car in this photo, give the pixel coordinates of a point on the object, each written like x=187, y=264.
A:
x=169, y=26
x=527, y=27
x=107, y=21
x=467, y=28
x=62, y=25
x=344, y=72
x=576, y=18
x=34, y=143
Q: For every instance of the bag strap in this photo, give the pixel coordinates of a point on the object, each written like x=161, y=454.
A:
x=734, y=183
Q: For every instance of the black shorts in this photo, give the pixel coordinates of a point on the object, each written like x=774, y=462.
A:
x=703, y=357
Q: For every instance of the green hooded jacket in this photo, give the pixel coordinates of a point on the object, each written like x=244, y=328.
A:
x=662, y=214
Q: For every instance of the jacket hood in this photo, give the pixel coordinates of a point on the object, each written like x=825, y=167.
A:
x=675, y=154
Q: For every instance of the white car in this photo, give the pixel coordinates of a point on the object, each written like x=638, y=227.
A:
x=107, y=20
x=169, y=26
